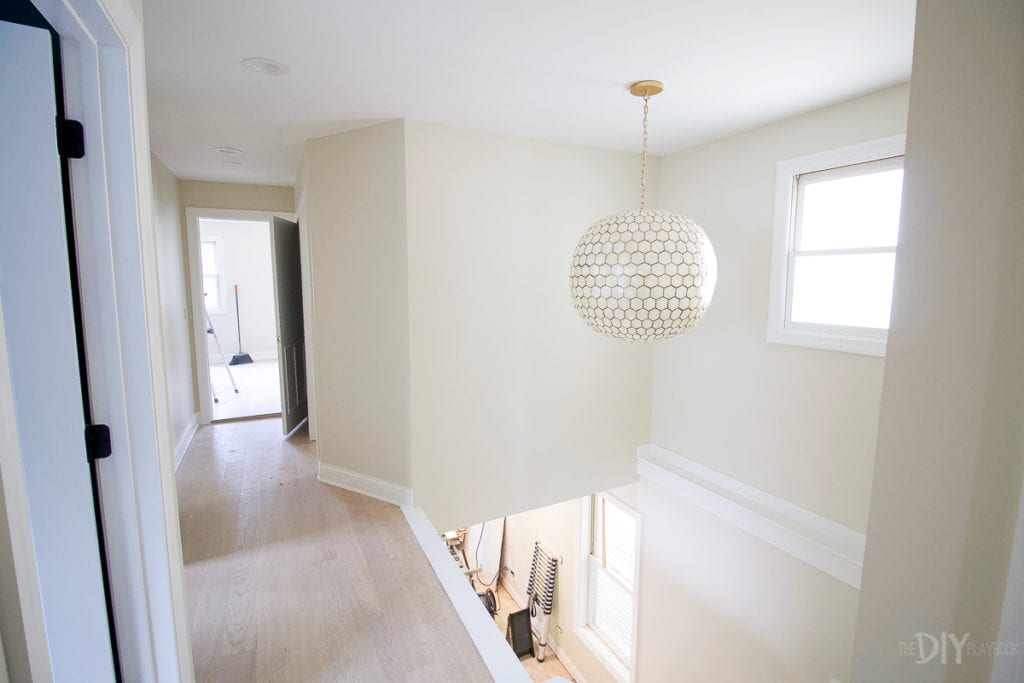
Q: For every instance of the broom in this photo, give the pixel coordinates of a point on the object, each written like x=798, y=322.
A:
x=240, y=358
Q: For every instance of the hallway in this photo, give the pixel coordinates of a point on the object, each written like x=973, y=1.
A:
x=288, y=579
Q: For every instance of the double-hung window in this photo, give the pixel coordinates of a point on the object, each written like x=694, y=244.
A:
x=611, y=582
x=211, y=257
x=834, y=251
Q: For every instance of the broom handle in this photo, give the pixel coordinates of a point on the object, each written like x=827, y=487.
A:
x=238, y=321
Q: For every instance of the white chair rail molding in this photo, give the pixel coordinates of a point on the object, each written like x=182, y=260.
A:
x=820, y=542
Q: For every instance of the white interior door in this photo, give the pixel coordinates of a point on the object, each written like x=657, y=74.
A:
x=35, y=289
x=291, y=348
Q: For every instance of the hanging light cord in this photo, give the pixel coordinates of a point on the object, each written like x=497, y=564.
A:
x=643, y=162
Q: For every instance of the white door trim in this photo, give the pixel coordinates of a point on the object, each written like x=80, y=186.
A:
x=105, y=77
x=200, y=349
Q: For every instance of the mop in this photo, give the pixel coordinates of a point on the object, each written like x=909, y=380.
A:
x=223, y=358
x=240, y=358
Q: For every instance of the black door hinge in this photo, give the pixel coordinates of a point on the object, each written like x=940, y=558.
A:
x=97, y=441
x=70, y=139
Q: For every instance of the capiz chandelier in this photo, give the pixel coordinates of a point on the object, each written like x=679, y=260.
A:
x=643, y=275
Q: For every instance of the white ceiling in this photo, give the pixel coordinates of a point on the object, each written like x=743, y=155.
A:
x=550, y=69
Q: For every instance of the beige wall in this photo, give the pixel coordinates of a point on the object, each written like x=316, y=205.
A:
x=715, y=604
x=172, y=259
x=510, y=390
x=796, y=422
x=207, y=195
x=951, y=444
x=354, y=186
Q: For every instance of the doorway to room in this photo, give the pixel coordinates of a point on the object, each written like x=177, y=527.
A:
x=241, y=333
x=248, y=316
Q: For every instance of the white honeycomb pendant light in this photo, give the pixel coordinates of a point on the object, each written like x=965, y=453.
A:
x=643, y=275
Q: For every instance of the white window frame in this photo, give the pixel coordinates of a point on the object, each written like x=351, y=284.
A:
x=623, y=672
x=780, y=329
x=218, y=251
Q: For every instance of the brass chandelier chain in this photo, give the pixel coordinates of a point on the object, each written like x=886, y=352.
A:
x=643, y=162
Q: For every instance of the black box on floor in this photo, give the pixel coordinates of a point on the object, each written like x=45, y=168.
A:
x=518, y=633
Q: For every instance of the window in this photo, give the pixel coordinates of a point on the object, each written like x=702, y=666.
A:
x=608, y=620
x=834, y=252
x=210, y=254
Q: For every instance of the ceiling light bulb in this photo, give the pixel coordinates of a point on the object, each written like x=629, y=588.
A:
x=267, y=67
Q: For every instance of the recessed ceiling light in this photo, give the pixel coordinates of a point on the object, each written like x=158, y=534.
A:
x=227, y=151
x=231, y=162
x=267, y=67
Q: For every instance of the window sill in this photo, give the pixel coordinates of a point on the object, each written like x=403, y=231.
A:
x=828, y=341
x=619, y=671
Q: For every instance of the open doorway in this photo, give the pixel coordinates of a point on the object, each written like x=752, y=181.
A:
x=247, y=307
x=241, y=333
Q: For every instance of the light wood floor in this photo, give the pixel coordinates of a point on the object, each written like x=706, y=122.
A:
x=288, y=579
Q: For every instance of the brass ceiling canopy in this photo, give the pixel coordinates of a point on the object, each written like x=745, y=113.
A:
x=646, y=88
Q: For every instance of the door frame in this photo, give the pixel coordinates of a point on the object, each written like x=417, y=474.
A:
x=105, y=79
x=200, y=347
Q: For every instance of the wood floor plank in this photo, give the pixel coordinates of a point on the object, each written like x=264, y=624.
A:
x=288, y=579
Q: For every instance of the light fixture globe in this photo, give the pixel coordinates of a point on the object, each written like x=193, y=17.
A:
x=643, y=275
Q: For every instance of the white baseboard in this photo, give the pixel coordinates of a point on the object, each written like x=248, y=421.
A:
x=513, y=592
x=820, y=542
x=185, y=440
x=364, y=484
x=498, y=657
x=566, y=662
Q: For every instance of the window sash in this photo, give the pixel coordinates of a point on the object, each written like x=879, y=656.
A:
x=611, y=591
x=802, y=180
x=880, y=333
x=610, y=611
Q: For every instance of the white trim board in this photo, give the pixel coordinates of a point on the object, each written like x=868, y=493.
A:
x=186, y=440
x=501, y=662
x=364, y=484
x=820, y=542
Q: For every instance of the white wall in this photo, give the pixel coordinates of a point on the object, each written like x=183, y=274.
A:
x=512, y=394
x=950, y=453
x=799, y=423
x=177, y=333
x=354, y=184
x=246, y=260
